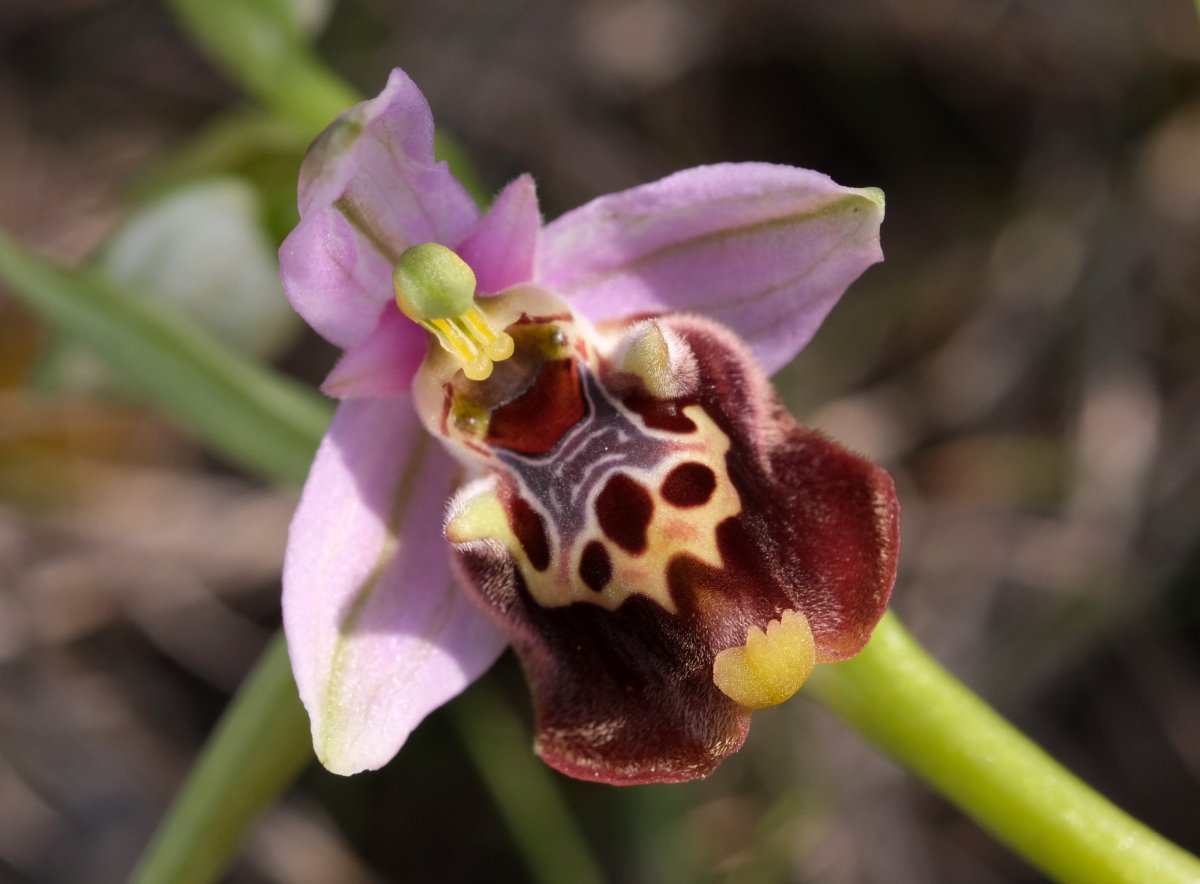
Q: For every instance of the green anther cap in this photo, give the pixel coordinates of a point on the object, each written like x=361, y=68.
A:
x=432, y=282
x=436, y=289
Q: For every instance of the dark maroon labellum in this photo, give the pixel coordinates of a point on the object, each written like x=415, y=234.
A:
x=647, y=516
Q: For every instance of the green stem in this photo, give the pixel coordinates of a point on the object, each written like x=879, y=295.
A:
x=260, y=746
x=260, y=50
x=257, y=47
x=523, y=789
x=903, y=701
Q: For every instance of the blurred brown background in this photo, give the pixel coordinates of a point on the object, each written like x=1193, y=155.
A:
x=1026, y=363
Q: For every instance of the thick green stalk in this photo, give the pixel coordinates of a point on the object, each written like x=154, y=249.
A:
x=903, y=701
x=261, y=49
x=259, y=748
x=524, y=790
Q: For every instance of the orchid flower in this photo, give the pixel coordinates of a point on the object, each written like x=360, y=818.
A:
x=630, y=507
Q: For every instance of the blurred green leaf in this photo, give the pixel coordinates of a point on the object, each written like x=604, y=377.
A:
x=524, y=790
x=259, y=748
x=254, y=417
x=255, y=146
x=201, y=248
x=301, y=18
x=262, y=47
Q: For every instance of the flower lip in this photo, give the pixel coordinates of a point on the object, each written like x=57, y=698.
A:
x=652, y=618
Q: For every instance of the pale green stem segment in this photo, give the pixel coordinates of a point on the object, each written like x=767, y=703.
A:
x=523, y=789
x=259, y=47
x=907, y=704
x=259, y=748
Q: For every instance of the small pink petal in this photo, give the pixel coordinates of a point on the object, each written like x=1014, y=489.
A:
x=766, y=250
x=369, y=189
x=378, y=631
x=383, y=364
x=501, y=249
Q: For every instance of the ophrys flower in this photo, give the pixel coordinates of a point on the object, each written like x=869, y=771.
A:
x=663, y=546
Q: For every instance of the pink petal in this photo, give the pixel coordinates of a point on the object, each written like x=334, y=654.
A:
x=369, y=188
x=766, y=250
x=502, y=248
x=383, y=364
x=336, y=282
x=379, y=633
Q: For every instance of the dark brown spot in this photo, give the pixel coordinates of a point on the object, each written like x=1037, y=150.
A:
x=689, y=484
x=535, y=421
x=624, y=509
x=527, y=524
x=595, y=567
x=660, y=414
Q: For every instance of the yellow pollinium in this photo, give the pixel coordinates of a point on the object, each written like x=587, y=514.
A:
x=436, y=289
x=476, y=345
x=770, y=666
